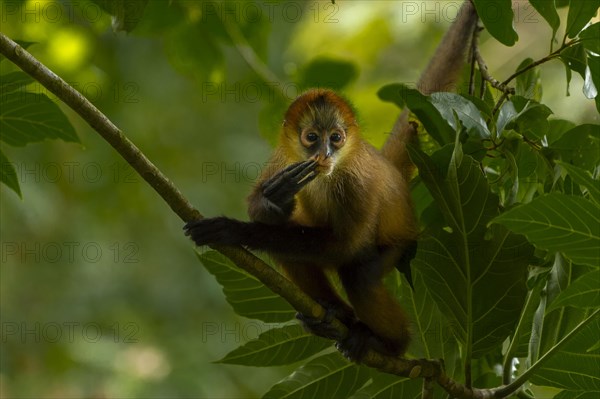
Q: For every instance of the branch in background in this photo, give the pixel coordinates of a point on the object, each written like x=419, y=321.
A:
x=250, y=56
x=414, y=368
x=485, y=74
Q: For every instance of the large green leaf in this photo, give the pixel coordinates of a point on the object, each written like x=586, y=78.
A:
x=277, y=346
x=32, y=117
x=451, y=104
x=528, y=117
x=575, y=59
x=583, y=293
x=547, y=9
x=590, y=38
x=328, y=376
x=550, y=326
x=497, y=16
x=575, y=363
x=580, y=146
x=14, y=81
x=421, y=106
x=583, y=178
x=476, y=275
x=432, y=333
x=529, y=84
x=580, y=13
x=561, y=223
x=248, y=296
x=388, y=386
x=576, y=395
x=8, y=175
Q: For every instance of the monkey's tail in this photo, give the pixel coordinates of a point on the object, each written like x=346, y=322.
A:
x=440, y=74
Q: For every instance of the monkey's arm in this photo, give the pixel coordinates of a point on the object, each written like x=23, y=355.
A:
x=272, y=201
x=286, y=240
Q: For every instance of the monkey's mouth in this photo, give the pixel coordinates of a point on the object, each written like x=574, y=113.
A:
x=324, y=167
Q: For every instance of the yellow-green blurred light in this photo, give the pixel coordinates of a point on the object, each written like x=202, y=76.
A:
x=68, y=48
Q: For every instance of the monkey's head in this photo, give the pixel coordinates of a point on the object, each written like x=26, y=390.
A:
x=319, y=125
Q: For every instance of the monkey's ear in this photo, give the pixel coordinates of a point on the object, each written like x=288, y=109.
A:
x=284, y=123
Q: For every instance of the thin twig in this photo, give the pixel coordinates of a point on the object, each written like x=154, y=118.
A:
x=486, y=75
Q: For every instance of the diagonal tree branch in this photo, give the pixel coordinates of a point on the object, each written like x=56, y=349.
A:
x=414, y=368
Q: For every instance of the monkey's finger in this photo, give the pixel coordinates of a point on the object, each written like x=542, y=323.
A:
x=288, y=169
x=307, y=173
x=307, y=179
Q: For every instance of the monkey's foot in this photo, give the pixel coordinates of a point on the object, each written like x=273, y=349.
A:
x=323, y=327
x=360, y=339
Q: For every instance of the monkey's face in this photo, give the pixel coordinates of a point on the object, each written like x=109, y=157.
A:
x=319, y=125
x=323, y=145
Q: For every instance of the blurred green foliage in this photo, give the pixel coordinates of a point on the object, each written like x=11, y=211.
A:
x=101, y=294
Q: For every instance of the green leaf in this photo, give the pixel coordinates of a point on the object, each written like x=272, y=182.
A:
x=574, y=363
x=580, y=14
x=8, y=174
x=126, y=13
x=528, y=117
x=583, y=293
x=32, y=117
x=558, y=127
x=560, y=223
x=579, y=146
x=520, y=340
x=529, y=83
x=576, y=395
x=328, y=376
x=14, y=81
x=476, y=275
x=547, y=9
x=532, y=119
x=583, y=178
x=276, y=347
x=449, y=104
x=497, y=16
x=432, y=333
x=574, y=58
x=248, y=296
x=550, y=327
x=420, y=105
x=590, y=38
x=389, y=386
x=594, y=69
x=328, y=72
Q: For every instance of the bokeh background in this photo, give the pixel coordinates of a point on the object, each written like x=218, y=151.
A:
x=101, y=294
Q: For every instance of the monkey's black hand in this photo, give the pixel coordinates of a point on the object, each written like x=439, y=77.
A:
x=281, y=188
x=360, y=339
x=220, y=230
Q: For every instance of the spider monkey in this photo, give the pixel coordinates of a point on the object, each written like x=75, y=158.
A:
x=331, y=201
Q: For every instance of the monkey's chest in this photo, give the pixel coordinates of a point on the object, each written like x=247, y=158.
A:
x=328, y=207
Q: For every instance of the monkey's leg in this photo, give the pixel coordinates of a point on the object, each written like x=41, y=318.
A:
x=313, y=281
x=383, y=325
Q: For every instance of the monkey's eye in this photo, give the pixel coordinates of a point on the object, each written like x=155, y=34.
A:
x=312, y=137
x=335, y=137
